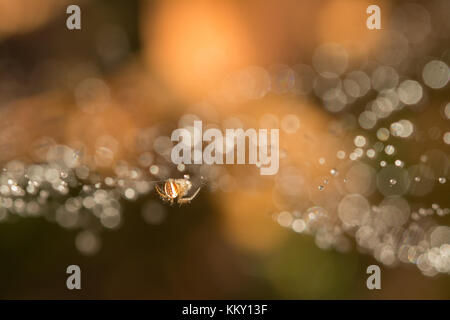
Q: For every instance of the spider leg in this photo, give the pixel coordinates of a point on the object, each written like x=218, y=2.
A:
x=162, y=194
x=189, y=199
x=195, y=193
x=183, y=201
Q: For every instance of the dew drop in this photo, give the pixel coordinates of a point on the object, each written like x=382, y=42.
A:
x=340, y=154
x=371, y=153
x=389, y=149
x=399, y=163
x=334, y=172
x=154, y=169
x=360, y=141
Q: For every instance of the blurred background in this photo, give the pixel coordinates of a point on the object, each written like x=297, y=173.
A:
x=86, y=117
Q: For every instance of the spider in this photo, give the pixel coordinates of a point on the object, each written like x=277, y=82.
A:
x=176, y=190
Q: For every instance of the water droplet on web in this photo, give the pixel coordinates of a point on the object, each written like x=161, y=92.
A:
x=417, y=179
x=321, y=188
x=359, y=141
x=442, y=180
x=393, y=182
x=340, y=154
x=371, y=153
x=154, y=169
x=334, y=172
x=389, y=149
x=399, y=163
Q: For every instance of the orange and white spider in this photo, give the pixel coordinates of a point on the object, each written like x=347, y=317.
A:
x=176, y=190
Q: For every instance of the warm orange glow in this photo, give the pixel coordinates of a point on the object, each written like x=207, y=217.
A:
x=25, y=15
x=247, y=224
x=195, y=44
x=350, y=32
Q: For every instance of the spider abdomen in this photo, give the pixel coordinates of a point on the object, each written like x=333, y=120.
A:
x=171, y=189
